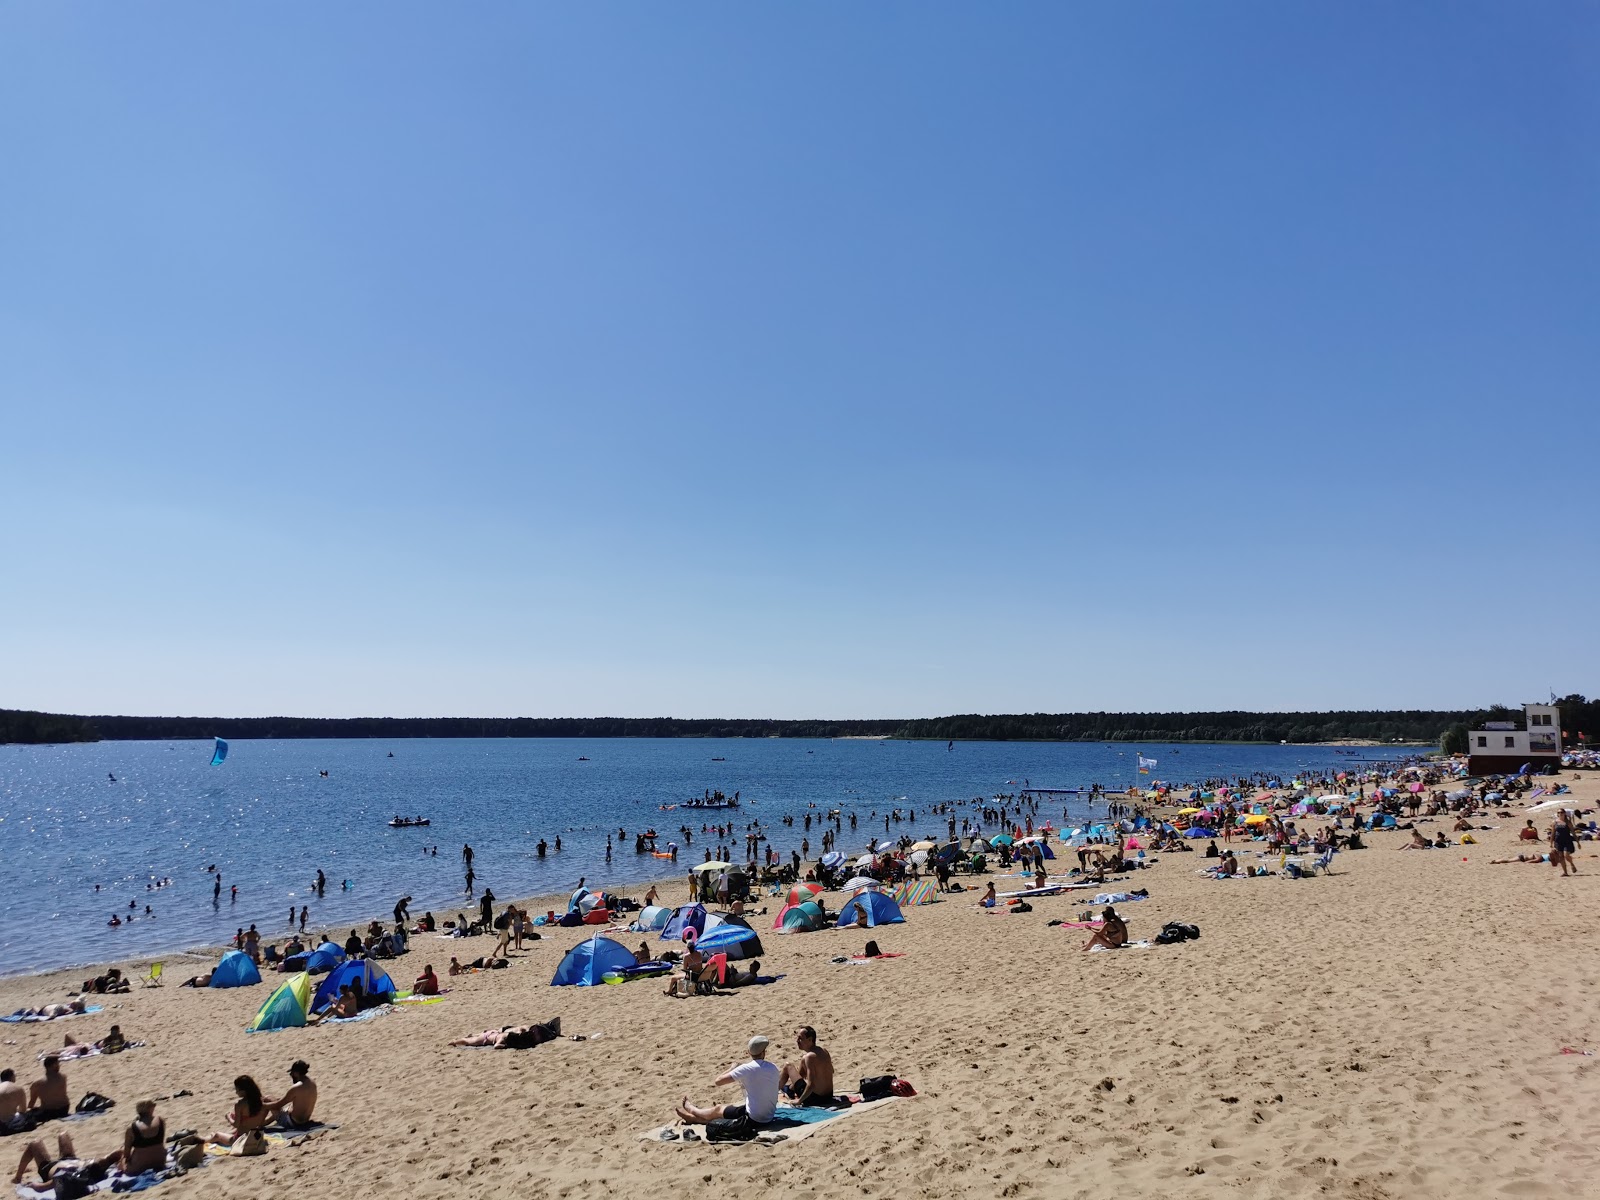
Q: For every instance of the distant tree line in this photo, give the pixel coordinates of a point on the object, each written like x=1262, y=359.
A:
x=1449, y=728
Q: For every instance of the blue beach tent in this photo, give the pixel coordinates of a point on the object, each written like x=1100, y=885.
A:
x=690, y=916
x=879, y=907
x=586, y=964
x=235, y=970
x=324, y=958
x=373, y=979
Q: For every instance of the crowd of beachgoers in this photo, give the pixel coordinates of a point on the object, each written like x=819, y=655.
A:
x=839, y=868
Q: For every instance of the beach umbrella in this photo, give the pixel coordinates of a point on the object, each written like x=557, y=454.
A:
x=924, y=845
x=884, y=846
x=1001, y=839
x=801, y=892
x=833, y=858
x=861, y=881
x=919, y=857
x=712, y=866
x=1256, y=819
x=866, y=860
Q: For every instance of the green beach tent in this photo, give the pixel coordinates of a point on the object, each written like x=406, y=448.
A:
x=286, y=1008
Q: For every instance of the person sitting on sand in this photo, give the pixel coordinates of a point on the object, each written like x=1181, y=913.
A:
x=861, y=915
x=1112, y=934
x=293, y=1109
x=250, y=1112
x=65, y=1165
x=14, y=1116
x=427, y=983
x=345, y=1006
x=808, y=1081
x=642, y=955
x=144, y=1142
x=113, y=1042
x=757, y=1078
x=1463, y=825
x=989, y=898
x=1528, y=833
x=47, y=1097
x=455, y=967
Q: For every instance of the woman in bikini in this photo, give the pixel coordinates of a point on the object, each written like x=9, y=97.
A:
x=249, y=1113
x=144, y=1144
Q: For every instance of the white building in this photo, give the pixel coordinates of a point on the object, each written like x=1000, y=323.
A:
x=1502, y=748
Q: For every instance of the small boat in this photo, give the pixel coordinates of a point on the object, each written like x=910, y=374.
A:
x=402, y=823
x=583, y=758
x=725, y=802
x=719, y=760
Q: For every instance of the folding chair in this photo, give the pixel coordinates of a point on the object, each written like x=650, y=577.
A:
x=154, y=978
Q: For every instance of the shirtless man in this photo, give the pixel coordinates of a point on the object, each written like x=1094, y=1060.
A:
x=14, y=1116
x=809, y=1082
x=300, y=1100
x=47, y=1098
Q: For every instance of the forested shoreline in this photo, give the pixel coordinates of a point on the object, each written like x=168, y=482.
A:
x=1412, y=725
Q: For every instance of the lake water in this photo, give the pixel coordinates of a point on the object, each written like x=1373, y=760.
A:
x=269, y=820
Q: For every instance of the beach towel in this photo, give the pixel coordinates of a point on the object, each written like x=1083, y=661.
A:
x=856, y=960
x=371, y=1014
x=19, y=1018
x=788, y=1125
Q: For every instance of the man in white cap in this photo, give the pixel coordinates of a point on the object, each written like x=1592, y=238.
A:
x=758, y=1078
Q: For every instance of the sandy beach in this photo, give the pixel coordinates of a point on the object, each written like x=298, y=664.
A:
x=1393, y=1030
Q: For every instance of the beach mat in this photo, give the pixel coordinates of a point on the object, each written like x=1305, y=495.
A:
x=789, y=1125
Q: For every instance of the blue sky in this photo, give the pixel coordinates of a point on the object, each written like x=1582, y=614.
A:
x=832, y=360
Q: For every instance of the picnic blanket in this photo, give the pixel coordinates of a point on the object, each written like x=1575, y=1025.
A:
x=19, y=1018
x=788, y=1125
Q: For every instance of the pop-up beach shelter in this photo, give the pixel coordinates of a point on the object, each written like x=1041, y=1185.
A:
x=373, y=980
x=690, y=916
x=235, y=970
x=879, y=907
x=919, y=891
x=806, y=918
x=286, y=1008
x=734, y=938
x=653, y=917
x=324, y=958
x=586, y=964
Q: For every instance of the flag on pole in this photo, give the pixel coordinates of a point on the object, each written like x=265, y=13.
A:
x=1146, y=763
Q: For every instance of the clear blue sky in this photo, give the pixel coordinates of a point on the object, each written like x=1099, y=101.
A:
x=757, y=360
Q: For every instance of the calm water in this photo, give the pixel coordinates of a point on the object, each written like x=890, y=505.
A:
x=268, y=819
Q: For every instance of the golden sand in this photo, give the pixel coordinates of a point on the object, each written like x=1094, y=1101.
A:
x=1394, y=1030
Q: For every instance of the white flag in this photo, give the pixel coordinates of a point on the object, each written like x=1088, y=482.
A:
x=1146, y=762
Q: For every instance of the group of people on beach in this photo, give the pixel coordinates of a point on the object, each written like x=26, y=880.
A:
x=145, y=1146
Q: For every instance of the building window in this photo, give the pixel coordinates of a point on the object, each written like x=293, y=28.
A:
x=1511, y=743
x=1483, y=743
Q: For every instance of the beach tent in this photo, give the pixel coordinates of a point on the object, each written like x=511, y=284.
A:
x=879, y=907
x=235, y=970
x=733, y=938
x=653, y=917
x=373, y=979
x=286, y=1008
x=690, y=916
x=324, y=958
x=586, y=964
x=919, y=891
x=805, y=918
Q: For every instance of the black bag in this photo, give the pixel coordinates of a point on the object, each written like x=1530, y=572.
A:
x=92, y=1102
x=877, y=1087
x=730, y=1129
